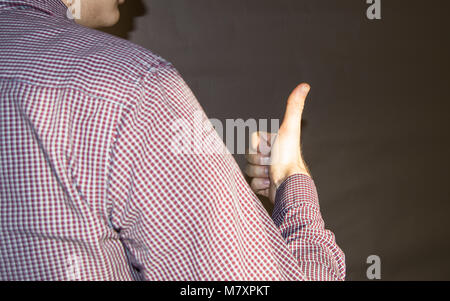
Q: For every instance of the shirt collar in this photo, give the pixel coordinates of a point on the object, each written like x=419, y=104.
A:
x=52, y=7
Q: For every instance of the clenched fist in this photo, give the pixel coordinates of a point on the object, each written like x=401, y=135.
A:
x=272, y=157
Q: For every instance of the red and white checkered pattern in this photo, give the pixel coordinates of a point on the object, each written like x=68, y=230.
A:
x=90, y=189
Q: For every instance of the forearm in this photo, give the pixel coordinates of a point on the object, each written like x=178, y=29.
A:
x=297, y=215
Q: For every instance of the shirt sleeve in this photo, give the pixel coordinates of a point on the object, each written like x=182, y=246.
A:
x=297, y=215
x=183, y=209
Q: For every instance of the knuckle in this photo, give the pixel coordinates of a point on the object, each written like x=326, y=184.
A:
x=254, y=159
x=254, y=184
x=247, y=170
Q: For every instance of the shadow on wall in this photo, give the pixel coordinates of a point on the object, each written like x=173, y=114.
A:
x=128, y=11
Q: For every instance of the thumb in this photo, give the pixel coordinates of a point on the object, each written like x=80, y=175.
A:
x=295, y=104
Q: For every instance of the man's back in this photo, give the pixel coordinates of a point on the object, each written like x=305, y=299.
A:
x=63, y=90
x=91, y=185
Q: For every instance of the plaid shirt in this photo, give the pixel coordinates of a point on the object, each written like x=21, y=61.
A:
x=91, y=189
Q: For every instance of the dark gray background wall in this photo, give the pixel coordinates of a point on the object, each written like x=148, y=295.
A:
x=376, y=135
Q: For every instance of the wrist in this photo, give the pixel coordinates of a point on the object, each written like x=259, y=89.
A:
x=280, y=178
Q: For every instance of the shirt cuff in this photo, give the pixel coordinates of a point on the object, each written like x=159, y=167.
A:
x=296, y=190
